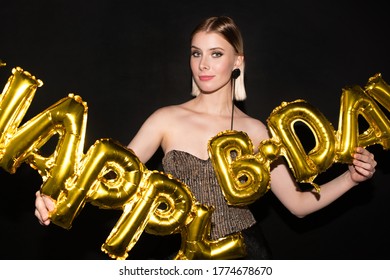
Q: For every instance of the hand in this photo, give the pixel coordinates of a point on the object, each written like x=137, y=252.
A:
x=363, y=165
x=43, y=206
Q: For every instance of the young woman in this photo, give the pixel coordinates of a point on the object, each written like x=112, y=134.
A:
x=183, y=132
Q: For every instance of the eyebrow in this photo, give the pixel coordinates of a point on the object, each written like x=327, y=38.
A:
x=212, y=49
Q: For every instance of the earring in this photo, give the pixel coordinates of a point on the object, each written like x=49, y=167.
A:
x=236, y=73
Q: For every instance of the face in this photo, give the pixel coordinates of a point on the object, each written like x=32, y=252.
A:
x=212, y=61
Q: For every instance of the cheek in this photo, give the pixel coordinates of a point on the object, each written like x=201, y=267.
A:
x=224, y=70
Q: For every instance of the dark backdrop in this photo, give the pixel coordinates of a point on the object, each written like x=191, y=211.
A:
x=126, y=58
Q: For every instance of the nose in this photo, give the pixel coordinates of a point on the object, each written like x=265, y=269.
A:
x=204, y=65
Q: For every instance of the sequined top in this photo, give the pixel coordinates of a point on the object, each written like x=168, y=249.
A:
x=199, y=175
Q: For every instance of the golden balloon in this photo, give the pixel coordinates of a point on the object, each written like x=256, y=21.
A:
x=110, y=176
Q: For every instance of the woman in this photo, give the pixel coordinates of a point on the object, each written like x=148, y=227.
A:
x=183, y=132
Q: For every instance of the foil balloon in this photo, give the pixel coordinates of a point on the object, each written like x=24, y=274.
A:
x=111, y=176
x=173, y=203
x=150, y=200
x=379, y=90
x=196, y=243
x=305, y=166
x=243, y=177
x=66, y=119
x=91, y=183
x=14, y=102
x=357, y=102
x=164, y=206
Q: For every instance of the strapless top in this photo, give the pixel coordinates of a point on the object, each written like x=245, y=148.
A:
x=199, y=176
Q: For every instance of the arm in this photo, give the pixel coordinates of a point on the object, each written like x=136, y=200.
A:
x=150, y=136
x=303, y=203
x=299, y=203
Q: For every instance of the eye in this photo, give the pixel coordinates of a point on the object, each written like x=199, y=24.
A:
x=195, y=54
x=217, y=54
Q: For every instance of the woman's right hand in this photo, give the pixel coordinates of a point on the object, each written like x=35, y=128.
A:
x=43, y=206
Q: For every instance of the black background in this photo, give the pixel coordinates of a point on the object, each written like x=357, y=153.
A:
x=126, y=59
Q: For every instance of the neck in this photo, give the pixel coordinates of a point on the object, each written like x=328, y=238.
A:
x=214, y=104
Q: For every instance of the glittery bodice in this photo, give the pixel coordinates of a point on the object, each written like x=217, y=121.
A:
x=199, y=175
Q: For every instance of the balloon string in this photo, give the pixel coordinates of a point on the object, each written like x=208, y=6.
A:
x=233, y=93
x=316, y=187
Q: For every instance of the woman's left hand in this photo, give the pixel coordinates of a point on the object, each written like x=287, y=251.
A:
x=363, y=165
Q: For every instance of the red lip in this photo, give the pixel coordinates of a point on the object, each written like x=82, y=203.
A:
x=205, y=78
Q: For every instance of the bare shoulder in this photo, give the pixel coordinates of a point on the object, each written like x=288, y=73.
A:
x=167, y=115
x=255, y=128
x=167, y=112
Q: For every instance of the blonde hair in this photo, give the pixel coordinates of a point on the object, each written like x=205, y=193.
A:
x=225, y=27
